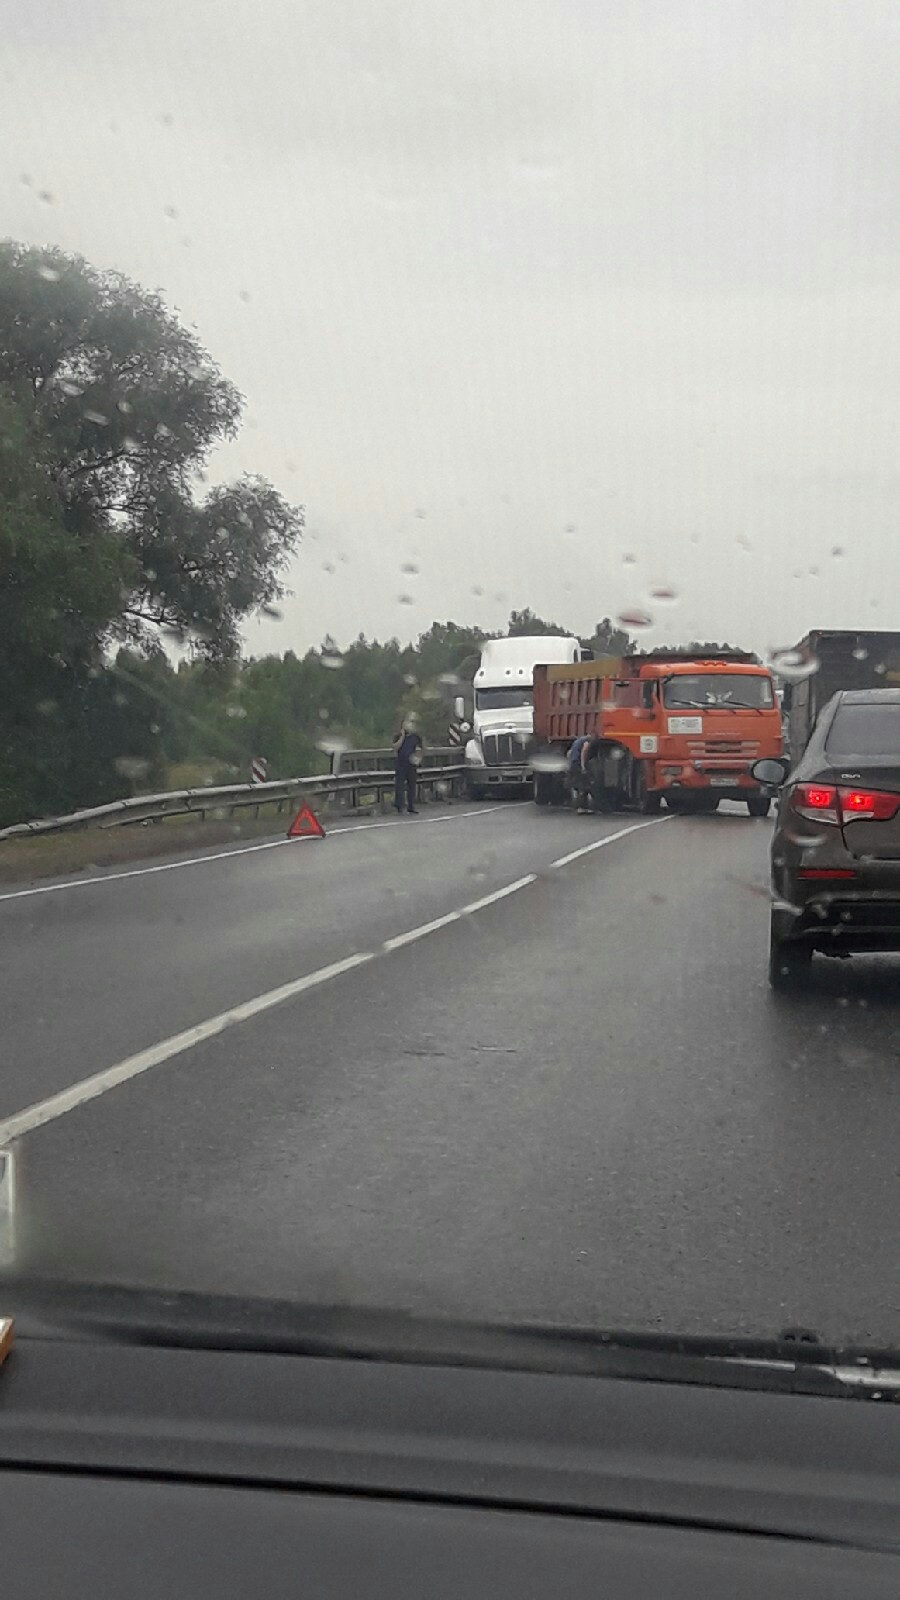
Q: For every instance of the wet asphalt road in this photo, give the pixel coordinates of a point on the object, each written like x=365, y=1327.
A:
x=579, y=1100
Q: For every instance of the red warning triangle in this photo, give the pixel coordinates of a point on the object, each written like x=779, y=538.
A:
x=306, y=825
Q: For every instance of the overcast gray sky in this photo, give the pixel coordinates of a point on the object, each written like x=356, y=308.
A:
x=516, y=290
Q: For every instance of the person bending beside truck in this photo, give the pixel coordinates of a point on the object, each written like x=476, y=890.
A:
x=578, y=779
x=407, y=747
x=594, y=754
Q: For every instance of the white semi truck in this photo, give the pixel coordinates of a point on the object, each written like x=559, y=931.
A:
x=499, y=747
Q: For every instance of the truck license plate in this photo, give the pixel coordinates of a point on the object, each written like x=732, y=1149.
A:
x=722, y=783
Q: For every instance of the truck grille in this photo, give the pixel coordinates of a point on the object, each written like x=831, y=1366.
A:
x=506, y=749
x=734, y=749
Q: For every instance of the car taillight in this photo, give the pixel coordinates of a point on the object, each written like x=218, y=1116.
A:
x=877, y=805
x=823, y=802
x=817, y=801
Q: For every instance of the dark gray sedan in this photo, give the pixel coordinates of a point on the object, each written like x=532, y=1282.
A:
x=836, y=846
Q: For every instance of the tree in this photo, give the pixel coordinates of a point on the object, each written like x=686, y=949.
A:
x=109, y=409
x=524, y=623
x=609, y=640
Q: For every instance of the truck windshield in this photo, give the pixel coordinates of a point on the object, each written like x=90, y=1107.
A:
x=719, y=689
x=513, y=694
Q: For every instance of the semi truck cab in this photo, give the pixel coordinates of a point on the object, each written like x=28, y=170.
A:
x=501, y=741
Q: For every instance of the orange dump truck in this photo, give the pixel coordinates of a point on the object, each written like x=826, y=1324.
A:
x=670, y=726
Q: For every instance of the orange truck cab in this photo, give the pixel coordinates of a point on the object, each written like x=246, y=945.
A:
x=670, y=726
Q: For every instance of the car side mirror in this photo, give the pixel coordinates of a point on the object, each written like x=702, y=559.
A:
x=770, y=772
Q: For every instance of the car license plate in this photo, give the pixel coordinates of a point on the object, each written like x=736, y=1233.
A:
x=722, y=783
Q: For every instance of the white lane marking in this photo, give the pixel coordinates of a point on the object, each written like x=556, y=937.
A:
x=224, y=855
x=419, y=933
x=498, y=894
x=57, y=1105
x=454, y=916
x=90, y=1088
x=609, y=838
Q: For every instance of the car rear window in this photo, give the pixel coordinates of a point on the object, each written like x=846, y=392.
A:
x=865, y=730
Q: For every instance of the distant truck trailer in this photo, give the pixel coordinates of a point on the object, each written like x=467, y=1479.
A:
x=829, y=659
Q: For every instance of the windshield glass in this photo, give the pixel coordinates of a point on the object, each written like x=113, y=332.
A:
x=865, y=730
x=719, y=689
x=517, y=694
x=351, y=356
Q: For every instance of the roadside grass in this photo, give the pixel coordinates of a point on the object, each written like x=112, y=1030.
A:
x=57, y=855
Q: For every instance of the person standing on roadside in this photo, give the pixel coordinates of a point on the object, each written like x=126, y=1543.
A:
x=407, y=747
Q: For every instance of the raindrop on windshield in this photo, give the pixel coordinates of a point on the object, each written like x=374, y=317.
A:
x=548, y=761
x=125, y=407
x=333, y=745
x=477, y=590
x=409, y=567
x=45, y=196
x=664, y=593
x=328, y=566
x=420, y=513
x=72, y=389
x=860, y=653
x=404, y=600
x=410, y=678
x=49, y=274
x=628, y=560
x=635, y=619
x=272, y=612
x=170, y=212
x=244, y=294
x=332, y=660
x=793, y=665
x=837, y=550
x=236, y=712
x=98, y=417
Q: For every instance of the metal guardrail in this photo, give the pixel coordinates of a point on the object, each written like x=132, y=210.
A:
x=383, y=760
x=347, y=788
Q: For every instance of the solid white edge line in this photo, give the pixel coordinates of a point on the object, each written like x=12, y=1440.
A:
x=609, y=838
x=225, y=855
x=78, y=1094
x=90, y=1088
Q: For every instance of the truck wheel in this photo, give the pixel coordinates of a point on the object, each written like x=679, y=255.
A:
x=475, y=791
x=789, y=964
x=758, y=805
x=544, y=788
x=648, y=801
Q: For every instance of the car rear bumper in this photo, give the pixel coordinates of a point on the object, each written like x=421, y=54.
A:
x=838, y=922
